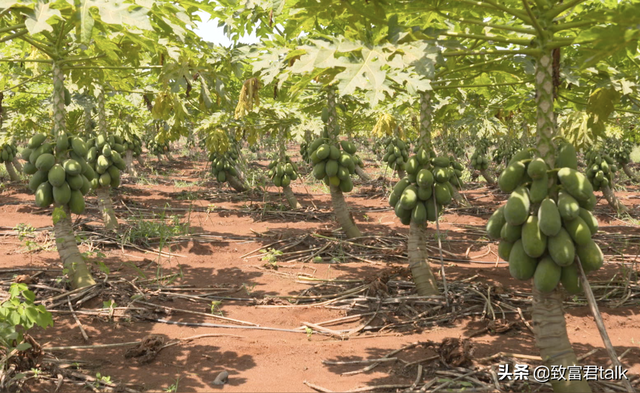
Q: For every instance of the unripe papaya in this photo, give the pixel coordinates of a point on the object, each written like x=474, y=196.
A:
x=537, y=168
x=36, y=141
x=409, y=198
x=401, y=185
x=495, y=223
x=590, y=256
x=521, y=265
x=547, y=275
x=44, y=195
x=539, y=189
x=511, y=177
x=105, y=179
x=76, y=202
x=568, y=206
x=412, y=165
x=590, y=220
x=319, y=170
x=504, y=249
x=442, y=194
x=45, y=162
x=331, y=168
x=424, y=178
x=419, y=214
x=323, y=151
x=511, y=233
x=578, y=230
x=516, y=210
x=424, y=193
x=534, y=241
x=575, y=183
x=75, y=181
x=561, y=248
x=56, y=175
x=62, y=194
x=549, y=218
x=570, y=279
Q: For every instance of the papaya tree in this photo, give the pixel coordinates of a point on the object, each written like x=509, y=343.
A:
x=544, y=210
x=67, y=39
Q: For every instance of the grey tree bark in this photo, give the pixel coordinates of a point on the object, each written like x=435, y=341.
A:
x=16, y=163
x=613, y=201
x=106, y=208
x=290, y=197
x=11, y=171
x=416, y=251
x=488, y=177
x=343, y=216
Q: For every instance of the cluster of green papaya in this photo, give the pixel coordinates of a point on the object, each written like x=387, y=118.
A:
x=282, y=173
x=543, y=229
x=427, y=179
x=60, y=172
x=304, y=151
x=455, y=172
x=601, y=169
x=105, y=157
x=506, y=150
x=396, y=154
x=620, y=150
x=454, y=147
x=8, y=152
x=479, y=161
x=133, y=143
x=333, y=163
x=156, y=148
x=379, y=147
x=223, y=165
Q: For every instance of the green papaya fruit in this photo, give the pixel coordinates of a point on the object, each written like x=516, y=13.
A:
x=521, y=265
x=547, y=275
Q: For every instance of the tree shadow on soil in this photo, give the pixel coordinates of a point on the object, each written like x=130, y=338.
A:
x=196, y=363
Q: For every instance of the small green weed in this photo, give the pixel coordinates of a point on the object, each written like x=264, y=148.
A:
x=158, y=230
x=102, y=379
x=215, y=307
x=25, y=233
x=173, y=388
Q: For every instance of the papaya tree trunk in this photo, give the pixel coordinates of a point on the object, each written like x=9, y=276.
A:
x=128, y=159
x=548, y=317
x=341, y=210
x=423, y=277
x=65, y=239
x=488, y=177
x=11, y=171
x=139, y=159
x=106, y=208
x=362, y=174
x=236, y=183
x=70, y=256
x=290, y=196
x=613, y=201
x=16, y=163
x=550, y=329
x=629, y=172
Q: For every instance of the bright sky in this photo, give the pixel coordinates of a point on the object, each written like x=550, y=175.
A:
x=210, y=31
